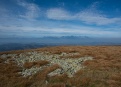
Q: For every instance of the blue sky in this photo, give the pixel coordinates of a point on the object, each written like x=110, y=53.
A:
x=37, y=18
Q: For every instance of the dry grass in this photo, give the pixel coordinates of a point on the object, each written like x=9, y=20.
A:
x=103, y=71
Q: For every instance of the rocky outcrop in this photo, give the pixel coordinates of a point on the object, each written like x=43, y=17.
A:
x=68, y=65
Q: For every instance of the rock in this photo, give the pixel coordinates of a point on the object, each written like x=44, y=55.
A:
x=3, y=56
x=56, y=72
x=69, y=65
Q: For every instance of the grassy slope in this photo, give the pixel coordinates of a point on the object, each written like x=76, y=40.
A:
x=103, y=71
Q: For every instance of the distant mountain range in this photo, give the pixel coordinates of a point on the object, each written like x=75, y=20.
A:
x=7, y=44
x=19, y=46
x=66, y=37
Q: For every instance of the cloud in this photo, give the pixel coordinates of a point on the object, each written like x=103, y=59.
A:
x=23, y=14
x=89, y=15
x=58, y=14
x=20, y=23
x=62, y=31
x=7, y=17
x=32, y=11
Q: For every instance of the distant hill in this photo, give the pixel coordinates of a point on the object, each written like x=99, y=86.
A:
x=18, y=46
x=66, y=37
x=7, y=44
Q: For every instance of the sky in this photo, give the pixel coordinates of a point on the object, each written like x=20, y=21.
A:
x=38, y=18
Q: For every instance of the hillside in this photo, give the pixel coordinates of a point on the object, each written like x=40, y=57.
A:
x=62, y=66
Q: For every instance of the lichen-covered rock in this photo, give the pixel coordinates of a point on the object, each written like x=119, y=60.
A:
x=68, y=65
x=56, y=72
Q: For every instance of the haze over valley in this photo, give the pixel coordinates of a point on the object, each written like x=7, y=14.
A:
x=8, y=44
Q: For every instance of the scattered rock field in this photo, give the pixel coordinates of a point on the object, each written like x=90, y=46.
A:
x=67, y=65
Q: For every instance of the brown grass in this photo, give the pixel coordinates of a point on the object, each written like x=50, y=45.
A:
x=103, y=71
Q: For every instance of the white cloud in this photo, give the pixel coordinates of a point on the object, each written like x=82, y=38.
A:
x=57, y=30
x=89, y=15
x=94, y=17
x=32, y=10
x=25, y=15
x=58, y=14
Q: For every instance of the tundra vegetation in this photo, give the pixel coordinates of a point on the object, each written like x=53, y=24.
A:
x=104, y=70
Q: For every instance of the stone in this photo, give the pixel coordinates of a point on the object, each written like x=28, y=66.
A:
x=69, y=65
x=55, y=72
x=3, y=56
